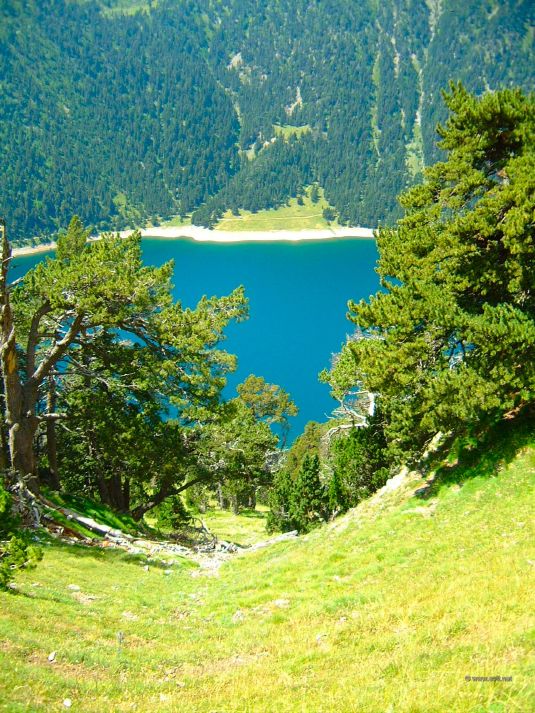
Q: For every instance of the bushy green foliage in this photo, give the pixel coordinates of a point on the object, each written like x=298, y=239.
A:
x=360, y=465
x=282, y=494
x=308, y=503
x=298, y=503
x=16, y=551
x=172, y=513
x=352, y=466
x=449, y=343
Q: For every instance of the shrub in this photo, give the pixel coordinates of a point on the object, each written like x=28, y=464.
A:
x=16, y=551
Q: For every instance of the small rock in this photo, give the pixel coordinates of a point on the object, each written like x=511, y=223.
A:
x=167, y=572
x=146, y=568
x=238, y=616
x=281, y=603
x=67, y=703
x=52, y=656
x=73, y=588
x=128, y=615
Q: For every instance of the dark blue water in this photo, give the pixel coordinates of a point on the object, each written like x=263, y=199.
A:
x=298, y=295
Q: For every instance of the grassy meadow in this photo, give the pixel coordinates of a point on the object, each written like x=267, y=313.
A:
x=244, y=529
x=387, y=609
x=308, y=216
x=292, y=216
x=287, y=130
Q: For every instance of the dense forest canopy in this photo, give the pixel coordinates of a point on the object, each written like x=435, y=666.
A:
x=124, y=110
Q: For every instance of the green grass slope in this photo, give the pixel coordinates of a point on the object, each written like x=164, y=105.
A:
x=390, y=608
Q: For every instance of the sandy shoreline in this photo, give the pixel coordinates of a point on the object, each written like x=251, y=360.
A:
x=204, y=235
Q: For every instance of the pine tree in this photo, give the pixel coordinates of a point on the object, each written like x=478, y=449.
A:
x=451, y=344
x=308, y=500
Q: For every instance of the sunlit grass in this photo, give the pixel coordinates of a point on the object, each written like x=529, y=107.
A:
x=308, y=216
x=288, y=130
x=387, y=609
x=244, y=529
x=177, y=222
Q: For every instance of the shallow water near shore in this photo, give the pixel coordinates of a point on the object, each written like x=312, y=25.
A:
x=298, y=295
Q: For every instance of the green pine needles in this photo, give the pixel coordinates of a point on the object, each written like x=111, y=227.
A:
x=449, y=344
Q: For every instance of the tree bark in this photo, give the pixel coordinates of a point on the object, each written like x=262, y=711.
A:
x=220, y=496
x=21, y=397
x=126, y=495
x=20, y=421
x=165, y=491
x=51, y=439
x=235, y=504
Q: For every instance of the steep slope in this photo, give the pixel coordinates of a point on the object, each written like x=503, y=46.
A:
x=402, y=605
x=111, y=116
x=123, y=110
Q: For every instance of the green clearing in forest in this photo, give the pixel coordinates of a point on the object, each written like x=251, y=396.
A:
x=308, y=216
x=288, y=130
x=389, y=608
x=244, y=529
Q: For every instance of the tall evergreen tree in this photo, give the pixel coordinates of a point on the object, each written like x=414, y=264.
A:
x=453, y=330
x=309, y=499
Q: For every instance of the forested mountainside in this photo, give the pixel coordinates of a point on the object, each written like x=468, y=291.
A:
x=124, y=110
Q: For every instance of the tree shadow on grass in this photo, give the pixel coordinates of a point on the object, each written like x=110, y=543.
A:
x=115, y=555
x=484, y=456
x=253, y=514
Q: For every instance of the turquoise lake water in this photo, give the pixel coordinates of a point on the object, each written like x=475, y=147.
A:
x=298, y=295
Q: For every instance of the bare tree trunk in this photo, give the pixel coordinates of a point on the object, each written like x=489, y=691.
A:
x=126, y=495
x=51, y=439
x=165, y=491
x=119, y=493
x=19, y=411
x=220, y=496
x=103, y=491
x=235, y=504
x=4, y=449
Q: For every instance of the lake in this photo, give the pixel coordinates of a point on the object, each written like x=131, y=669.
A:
x=298, y=295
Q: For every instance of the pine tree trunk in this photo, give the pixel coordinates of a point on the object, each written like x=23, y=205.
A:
x=103, y=491
x=126, y=495
x=20, y=401
x=22, y=426
x=51, y=440
x=220, y=496
x=21, y=446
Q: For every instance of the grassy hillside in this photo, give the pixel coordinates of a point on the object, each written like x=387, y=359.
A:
x=390, y=608
x=293, y=216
